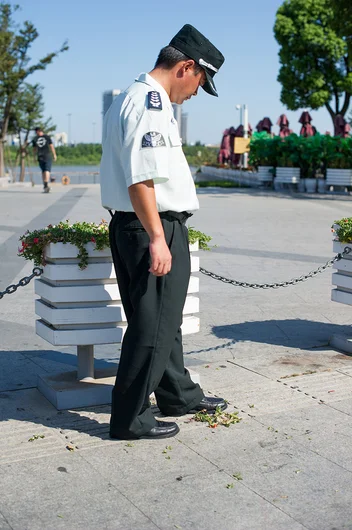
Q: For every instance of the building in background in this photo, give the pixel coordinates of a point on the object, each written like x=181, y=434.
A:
x=60, y=139
x=108, y=98
x=181, y=119
x=184, y=119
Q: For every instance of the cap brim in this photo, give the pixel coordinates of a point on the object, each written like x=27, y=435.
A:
x=209, y=86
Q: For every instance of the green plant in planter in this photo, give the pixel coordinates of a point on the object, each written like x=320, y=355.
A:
x=263, y=150
x=343, y=229
x=288, y=154
x=79, y=234
x=338, y=152
x=309, y=154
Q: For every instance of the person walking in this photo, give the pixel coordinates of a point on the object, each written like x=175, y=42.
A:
x=44, y=149
x=146, y=181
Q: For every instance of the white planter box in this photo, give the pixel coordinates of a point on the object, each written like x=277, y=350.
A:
x=265, y=173
x=310, y=185
x=321, y=185
x=80, y=307
x=83, y=308
x=339, y=177
x=287, y=175
x=342, y=278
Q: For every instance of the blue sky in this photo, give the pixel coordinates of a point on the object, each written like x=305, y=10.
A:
x=112, y=41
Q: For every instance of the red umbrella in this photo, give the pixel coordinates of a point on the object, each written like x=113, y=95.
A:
x=259, y=126
x=342, y=128
x=264, y=125
x=307, y=129
x=226, y=146
x=283, y=123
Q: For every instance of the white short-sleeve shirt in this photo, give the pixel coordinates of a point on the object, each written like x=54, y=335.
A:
x=141, y=142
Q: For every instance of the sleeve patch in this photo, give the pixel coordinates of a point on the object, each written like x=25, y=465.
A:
x=154, y=100
x=153, y=139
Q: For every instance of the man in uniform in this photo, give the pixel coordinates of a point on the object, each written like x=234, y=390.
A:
x=146, y=180
x=44, y=148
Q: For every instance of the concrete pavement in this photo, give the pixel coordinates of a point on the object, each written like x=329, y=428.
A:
x=286, y=465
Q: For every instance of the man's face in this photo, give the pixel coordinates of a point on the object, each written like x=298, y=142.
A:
x=189, y=83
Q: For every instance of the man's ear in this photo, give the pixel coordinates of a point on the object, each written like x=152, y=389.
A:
x=188, y=65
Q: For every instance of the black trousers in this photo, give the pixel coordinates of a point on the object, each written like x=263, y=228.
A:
x=151, y=354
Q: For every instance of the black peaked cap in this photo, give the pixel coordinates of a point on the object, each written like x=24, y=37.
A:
x=197, y=47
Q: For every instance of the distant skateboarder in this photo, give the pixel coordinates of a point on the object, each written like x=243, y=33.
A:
x=44, y=149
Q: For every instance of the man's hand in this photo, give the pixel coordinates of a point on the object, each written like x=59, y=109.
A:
x=144, y=204
x=160, y=257
x=55, y=158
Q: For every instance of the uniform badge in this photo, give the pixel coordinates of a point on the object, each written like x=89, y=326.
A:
x=154, y=100
x=153, y=139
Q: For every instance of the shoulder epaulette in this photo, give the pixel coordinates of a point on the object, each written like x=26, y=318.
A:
x=154, y=101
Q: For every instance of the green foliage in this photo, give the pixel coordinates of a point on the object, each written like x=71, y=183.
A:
x=343, y=229
x=80, y=234
x=218, y=418
x=90, y=154
x=27, y=112
x=208, y=155
x=312, y=155
x=263, y=150
x=79, y=154
x=203, y=240
x=15, y=64
x=337, y=152
x=218, y=184
x=315, y=53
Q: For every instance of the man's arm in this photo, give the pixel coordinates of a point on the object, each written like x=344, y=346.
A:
x=53, y=151
x=143, y=200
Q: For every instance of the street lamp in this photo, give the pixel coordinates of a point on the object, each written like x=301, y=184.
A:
x=69, y=129
x=244, y=121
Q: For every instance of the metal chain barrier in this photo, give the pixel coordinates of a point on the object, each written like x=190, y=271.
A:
x=37, y=271
x=303, y=278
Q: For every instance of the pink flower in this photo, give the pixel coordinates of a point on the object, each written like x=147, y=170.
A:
x=20, y=250
x=35, y=240
x=93, y=240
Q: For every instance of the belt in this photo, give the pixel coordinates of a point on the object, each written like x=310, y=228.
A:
x=180, y=216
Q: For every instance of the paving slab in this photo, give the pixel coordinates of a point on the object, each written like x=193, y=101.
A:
x=304, y=485
x=266, y=351
x=65, y=492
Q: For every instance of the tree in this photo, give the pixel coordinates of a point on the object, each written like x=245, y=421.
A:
x=315, y=38
x=15, y=65
x=27, y=113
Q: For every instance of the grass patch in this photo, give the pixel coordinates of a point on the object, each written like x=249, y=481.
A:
x=219, y=184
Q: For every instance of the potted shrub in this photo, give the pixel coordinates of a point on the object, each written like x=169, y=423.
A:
x=262, y=155
x=79, y=302
x=309, y=158
x=288, y=170
x=339, y=161
x=342, y=278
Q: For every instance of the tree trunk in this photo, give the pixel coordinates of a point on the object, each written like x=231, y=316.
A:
x=23, y=167
x=4, y=129
x=2, y=164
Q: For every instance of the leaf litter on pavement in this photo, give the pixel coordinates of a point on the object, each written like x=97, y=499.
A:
x=218, y=418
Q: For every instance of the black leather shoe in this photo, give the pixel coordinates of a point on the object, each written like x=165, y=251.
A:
x=162, y=429
x=209, y=404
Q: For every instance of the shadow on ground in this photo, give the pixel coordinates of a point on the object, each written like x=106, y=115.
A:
x=294, y=333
